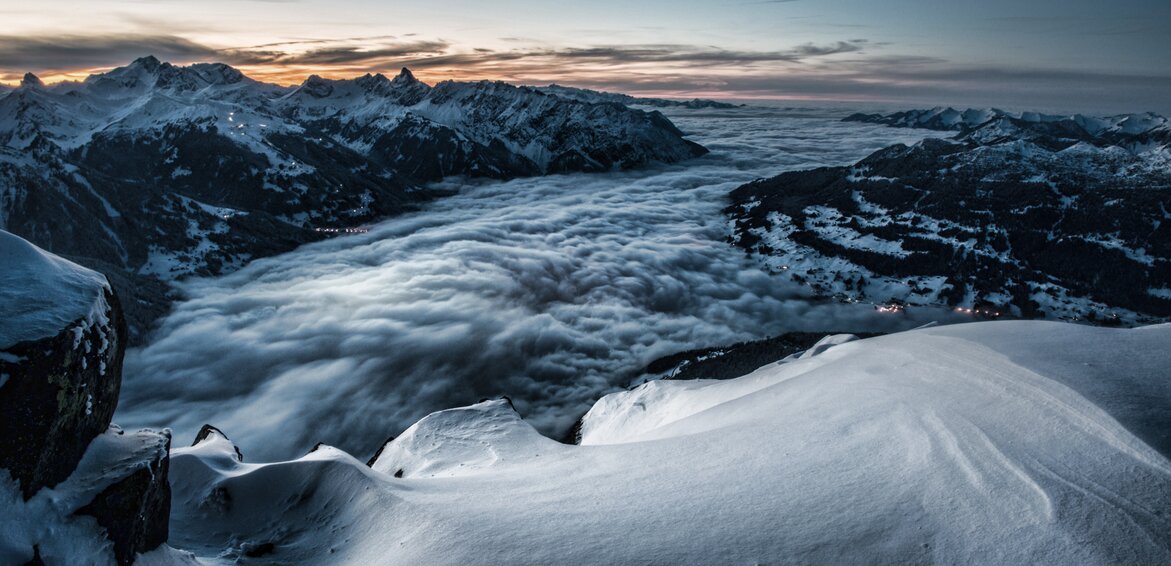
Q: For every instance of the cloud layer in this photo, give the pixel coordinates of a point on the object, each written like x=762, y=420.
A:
x=551, y=290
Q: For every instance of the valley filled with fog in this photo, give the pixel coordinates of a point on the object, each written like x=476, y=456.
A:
x=551, y=290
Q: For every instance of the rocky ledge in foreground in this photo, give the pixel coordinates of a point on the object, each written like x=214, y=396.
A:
x=75, y=488
x=1012, y=217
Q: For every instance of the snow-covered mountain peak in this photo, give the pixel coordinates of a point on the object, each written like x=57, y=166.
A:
x=31, y=81
x=315, y=86
x=150, y=63
x=140, y=72
x=377, y=81
x=405, y=76
x=217, y=73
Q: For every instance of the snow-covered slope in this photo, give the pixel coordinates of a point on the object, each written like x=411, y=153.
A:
x=58, y=523
x=1005, y=442
x=1017, y=216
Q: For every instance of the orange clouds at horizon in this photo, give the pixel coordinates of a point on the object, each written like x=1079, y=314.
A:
x=523, y=74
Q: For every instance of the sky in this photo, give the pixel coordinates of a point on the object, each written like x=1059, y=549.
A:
x=1040, y=54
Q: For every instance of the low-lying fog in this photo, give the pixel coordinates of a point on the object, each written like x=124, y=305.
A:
x=550, y=290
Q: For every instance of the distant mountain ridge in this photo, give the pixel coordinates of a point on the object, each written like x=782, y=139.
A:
x=154, y=171
x=1022, y=215
x=1137, y=132
x=587, y=95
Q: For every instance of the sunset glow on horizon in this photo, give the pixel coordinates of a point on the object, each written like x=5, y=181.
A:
x=1077, y=54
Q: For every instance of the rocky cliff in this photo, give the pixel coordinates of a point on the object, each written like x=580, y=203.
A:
x=63, y=466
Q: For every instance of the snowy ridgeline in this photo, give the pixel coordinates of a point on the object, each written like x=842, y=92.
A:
x=1000, y=442
x=950, y=119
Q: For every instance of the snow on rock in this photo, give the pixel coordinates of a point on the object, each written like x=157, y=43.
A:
x=97, y=515
x=463, y=441
x=43, y=293
x=301, y=511
x=62, y=340
x=998, y=442
x=75, y=489
x=213, y=442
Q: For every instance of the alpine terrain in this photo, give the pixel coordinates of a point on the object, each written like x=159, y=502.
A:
x=153, y=171
x=1022, y=215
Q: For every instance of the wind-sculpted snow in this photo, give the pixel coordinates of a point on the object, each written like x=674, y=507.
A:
x=549, y=290
x=990, y=443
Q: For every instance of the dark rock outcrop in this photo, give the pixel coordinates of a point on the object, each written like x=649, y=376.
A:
x=60, y=393
x=207, y=431
x=135, y=511
x=62, y=341
x=741, y=358
x=377, y=453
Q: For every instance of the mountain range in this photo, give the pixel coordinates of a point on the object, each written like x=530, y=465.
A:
x=152, y=171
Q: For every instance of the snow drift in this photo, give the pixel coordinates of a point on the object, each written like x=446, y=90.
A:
x=1000, y=442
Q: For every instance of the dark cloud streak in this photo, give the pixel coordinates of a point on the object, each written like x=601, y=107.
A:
x=73, y=52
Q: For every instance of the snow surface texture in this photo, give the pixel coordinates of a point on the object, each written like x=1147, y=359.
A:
x=552, y=290
x=991, y=443
x=43, y=294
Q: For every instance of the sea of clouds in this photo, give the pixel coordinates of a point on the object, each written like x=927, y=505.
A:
x=550, y=290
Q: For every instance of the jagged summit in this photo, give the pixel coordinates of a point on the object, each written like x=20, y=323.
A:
x=217, y=73
x=31, y=81
x=149, y=72
x=316, y=86
x=149, y=62
x=405, y=75
x=375, y=84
